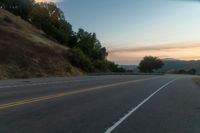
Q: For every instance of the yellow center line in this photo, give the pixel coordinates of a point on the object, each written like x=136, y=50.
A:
x=48, y=97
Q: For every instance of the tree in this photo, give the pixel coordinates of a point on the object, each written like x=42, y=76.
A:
x=150, y=63
x=182, y=71
x=192, y=71
x=79, y=59
x=90, y=45
x=114, y=67
x=18, y=7
x=86, y=50
x=49, y=18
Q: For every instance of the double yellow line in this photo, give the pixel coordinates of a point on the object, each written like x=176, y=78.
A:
x=53, y=96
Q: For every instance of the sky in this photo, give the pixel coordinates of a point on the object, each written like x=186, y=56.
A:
x=132, y=29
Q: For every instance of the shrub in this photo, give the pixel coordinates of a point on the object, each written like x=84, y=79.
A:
x=79, y=59
x=101, y=65
x=192, y=71
x=114, y=67
x=150, y=63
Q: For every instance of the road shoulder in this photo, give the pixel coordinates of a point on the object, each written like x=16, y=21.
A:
x=197, y=80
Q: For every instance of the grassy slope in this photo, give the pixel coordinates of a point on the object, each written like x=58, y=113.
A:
x=26, y=52
x=171, y=65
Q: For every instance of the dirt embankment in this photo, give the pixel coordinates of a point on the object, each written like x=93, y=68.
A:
x=26, y=52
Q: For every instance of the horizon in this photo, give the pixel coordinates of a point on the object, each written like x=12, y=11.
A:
x=131, y=30
x=57, y=78
x=164, y=59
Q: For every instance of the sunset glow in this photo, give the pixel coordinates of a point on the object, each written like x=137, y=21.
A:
x=135, y=55
x=48, y=1
x=132, y=29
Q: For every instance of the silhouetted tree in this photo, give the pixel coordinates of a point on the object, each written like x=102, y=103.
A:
x=192, y=71
x=114, y=67
x=90, y=45
x=150, y=63
x=181, y=71
x=18, y=7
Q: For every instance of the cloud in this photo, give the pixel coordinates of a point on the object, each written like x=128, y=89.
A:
x=183, y=51
x=55, y=1
x=158, y=47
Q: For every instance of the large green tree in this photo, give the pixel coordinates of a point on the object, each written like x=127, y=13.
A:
x=150, y=63
x=90, y=45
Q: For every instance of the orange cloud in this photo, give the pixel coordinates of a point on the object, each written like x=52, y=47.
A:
x=133, y=56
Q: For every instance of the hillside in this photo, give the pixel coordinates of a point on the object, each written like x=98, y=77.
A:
x=173, y=65
x=26, y=52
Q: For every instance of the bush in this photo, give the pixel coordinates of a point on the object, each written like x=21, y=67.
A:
x=101, y=65
x=150, y=63
x=192, y=71
x=182, y=71
x=114, y=67
x=79, y=59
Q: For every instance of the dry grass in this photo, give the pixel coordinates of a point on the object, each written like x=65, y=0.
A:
x=26, y=52
x=197, y=80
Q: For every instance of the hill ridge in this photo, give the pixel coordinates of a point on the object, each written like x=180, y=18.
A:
x=26, y=52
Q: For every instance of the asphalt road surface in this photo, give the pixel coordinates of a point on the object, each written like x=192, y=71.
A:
x=101, y=104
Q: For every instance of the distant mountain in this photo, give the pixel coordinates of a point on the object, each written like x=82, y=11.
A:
x=171, y=65
x=176, y=65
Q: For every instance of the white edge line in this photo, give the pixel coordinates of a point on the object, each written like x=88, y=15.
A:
x=113, y=127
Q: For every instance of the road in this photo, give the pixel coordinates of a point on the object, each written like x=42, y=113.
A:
x=101, y=104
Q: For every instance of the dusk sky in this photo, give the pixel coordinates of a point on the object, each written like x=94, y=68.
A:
x=131, y=29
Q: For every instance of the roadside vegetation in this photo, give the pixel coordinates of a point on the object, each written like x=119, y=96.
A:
x=26, y=52
x=150, y=64
x=79, y=49
x=183, y=71
x=197, y=81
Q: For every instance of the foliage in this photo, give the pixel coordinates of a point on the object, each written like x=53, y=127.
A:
x=79, y=59
x=49, y=18
x=90, y=45
x=114, y=67
x=87, y=52
x=150, y=63
x=18, y=7
x=182, y=71
x=192, y=71
x=101, y=65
